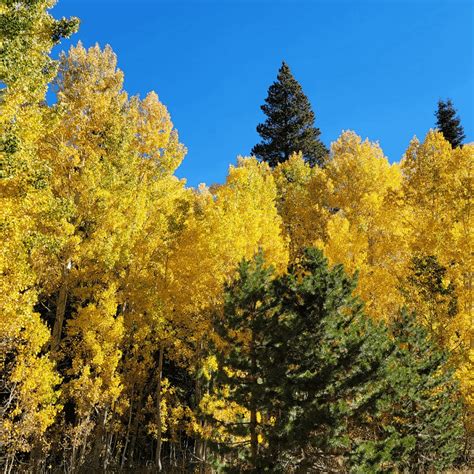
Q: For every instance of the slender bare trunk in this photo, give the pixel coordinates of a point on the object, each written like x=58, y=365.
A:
x=60, y=309
x=127, y=437
x=98, y=439
x=158, y=408
x=72, y=459
x=253, y=436
x=9, y=464
x=197, y=389
x=109, y=441
x=136, y=424
x=200, y=445
x=59, y=320
x=203, y=457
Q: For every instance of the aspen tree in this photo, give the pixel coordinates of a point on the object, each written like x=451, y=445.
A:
x=437, y=185
x=29, y=397
x=365, y=231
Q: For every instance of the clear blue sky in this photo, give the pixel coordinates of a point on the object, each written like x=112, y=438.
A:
x=377, y=66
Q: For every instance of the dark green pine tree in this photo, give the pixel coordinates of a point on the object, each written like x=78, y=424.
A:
x=449, y=124
x=418, y=424
x=242, y=328
x=289, y=126
x=301, y=354
x=327, y=388
x=324, y=367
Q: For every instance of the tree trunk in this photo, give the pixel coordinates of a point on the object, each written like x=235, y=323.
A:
x=99, y=440
x=136, y=427
x=127, y=437
x=200, y=445
x=158, y=407
x=253, y=409
x=59, y=320
x=60, y=309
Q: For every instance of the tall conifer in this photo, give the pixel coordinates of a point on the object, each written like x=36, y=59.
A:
x=449, y=124
x=325, y=387
x=289, y=127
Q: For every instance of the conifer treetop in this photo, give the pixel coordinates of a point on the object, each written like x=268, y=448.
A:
x=449, y=124
x=289, y=127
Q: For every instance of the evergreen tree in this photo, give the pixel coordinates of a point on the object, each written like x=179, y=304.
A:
x=243, y=327
x=325, y=388
x=449, y=124
x=289, y=127
x=303, y=360
x=324, y=367
x=418, y=421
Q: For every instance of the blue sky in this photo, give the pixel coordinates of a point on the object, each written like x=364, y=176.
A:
x=377, y=66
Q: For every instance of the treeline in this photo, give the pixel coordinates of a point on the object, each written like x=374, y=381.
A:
x=311, y=314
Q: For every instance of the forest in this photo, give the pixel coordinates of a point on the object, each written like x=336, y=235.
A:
x=313, y=313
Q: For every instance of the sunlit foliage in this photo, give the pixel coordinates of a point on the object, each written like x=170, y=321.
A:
x=113, y=272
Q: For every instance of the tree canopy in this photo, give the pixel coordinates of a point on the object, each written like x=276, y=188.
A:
x=292, y=318
x=449, y=124
x=289, y=126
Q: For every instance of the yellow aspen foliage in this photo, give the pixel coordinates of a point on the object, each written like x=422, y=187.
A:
x=223, y=411
x=428, y=179
x=27, y=68
x=148, y=328
x=109, y=152
x=250, y=192
x=156, y=139
x=437, y=184
x=29, y=381
x=365, y=231
x=94, y=340
x=302, y=193
x=113, y=271
x=227, y=223
x=113, y=159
